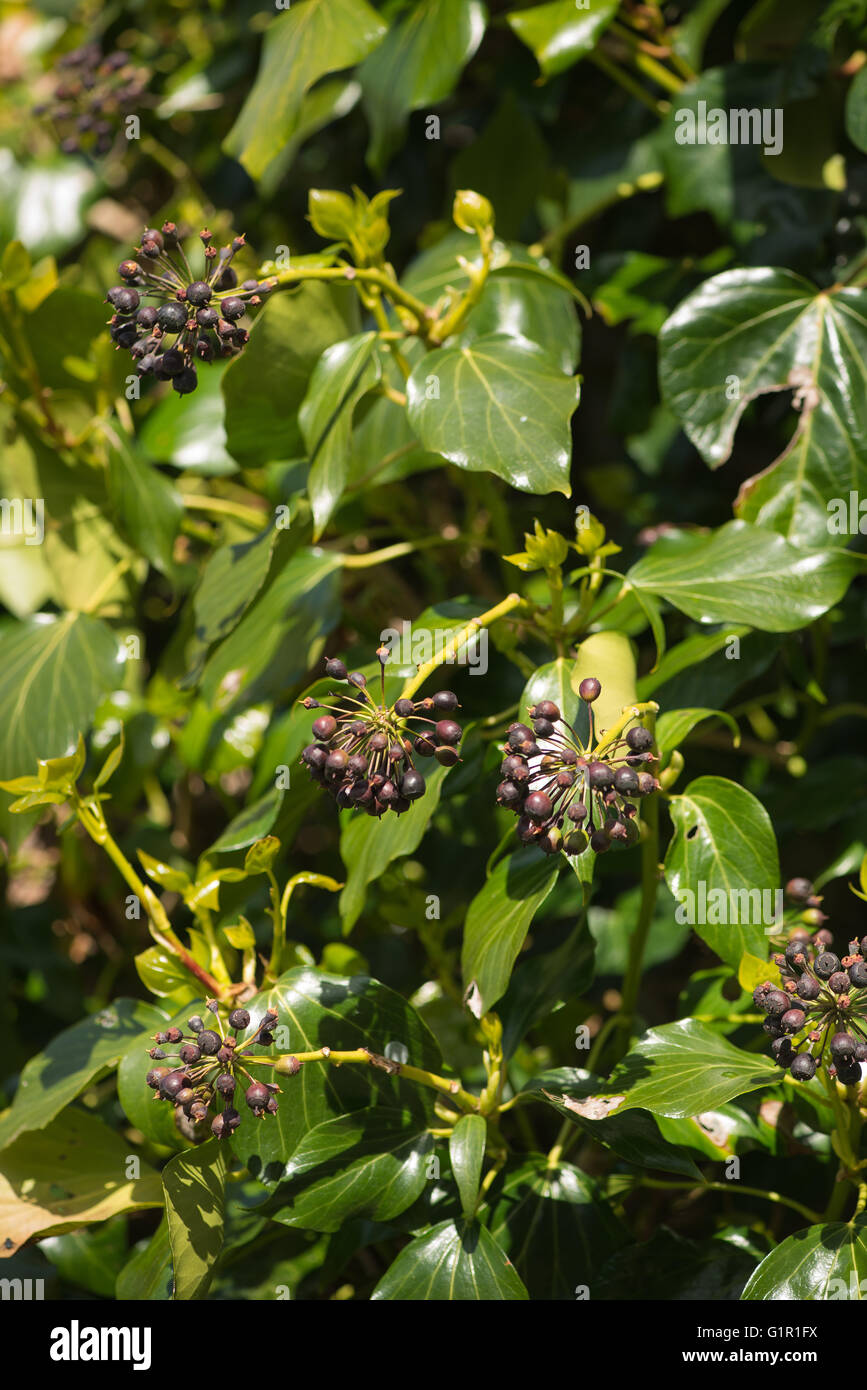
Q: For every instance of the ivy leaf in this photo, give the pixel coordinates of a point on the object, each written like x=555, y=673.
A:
x=451, y=1261
x=501, y=404
x=744, y=573
x=68, y=1174
x=368, y=845
x=673, y=726
x=306, y=43
x=343, y=375
x=230, y=581
x=559, y=34
x=55, y=672
x=684, y=1069
x=250, y=824
x=371, y=1162
x=807, y=1264
x=633, y=1135
x=71, y=1061
x=497, y=921
x=416, y=65
x=747, y=332
x=555, y=1226
x=264, y=387
x=466, y=1155
x=149, y=508
x=148, y=1273
x=279, y=635
x=724, y=843
x=316, y=1009
x=194, y=1183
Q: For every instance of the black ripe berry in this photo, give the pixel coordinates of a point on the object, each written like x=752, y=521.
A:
x=858, y=974
x=195, y=1024
x=155, y=1076
x=239, y=1018
x=807, y=988
x=799, y=890
x=335, y=669
x=600, y=776
x=626, y=781
x=775, y=1003
x=803, y=1067
x=210, y=1042
x=173, y=1082
x=448, y=732
x=782, y=1051
x=444, y=700
x=189, y=1053
x=793, y=1020
x=639, y=739
x=412, y=785
x=839, y=982
x=232, y=308
x=826, y=965
x=843, y=1047
x=538, y=805
x=225, y=1084
x=198, y=293
x=257, y=1097
x=171, y=317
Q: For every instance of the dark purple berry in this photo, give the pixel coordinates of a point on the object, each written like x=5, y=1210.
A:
x=803, y=1067
x=239, y=1018
x=826, y=965
x=210, y=1042
x=639, y=739
x=590, y=690
x=198, y=292
x=171, y=317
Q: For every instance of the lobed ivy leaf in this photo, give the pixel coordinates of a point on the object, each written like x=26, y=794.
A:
x=501, y=404
x=750, y=331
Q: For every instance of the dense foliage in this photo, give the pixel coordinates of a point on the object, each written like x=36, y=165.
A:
x=418, y=414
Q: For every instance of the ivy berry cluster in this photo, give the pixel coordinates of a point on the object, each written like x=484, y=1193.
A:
x=94, y=92
x=364, y=752
x=193, y=319
x=210, y=1068
x=564, y=797
x=819, y=1016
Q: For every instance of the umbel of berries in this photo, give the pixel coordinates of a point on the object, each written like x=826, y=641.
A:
x=567, y=794
x=818, y=1017
x=171, y=317
x=209, y=1073
x=365, y=753
x=93, y=93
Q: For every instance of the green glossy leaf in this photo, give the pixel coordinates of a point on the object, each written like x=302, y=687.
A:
x=90, y=1259
x=543, y=982
x=451, y=1262
x=73, y=1059
x=280, y=635
x=70, y=1173
x=743, y=573
x=194, y=1183
x=230, y=581
x=685, y=1069
x=149, y=508
x=148, y=1273
x=312, y=39
x=856, y=110
x=750, y=331
x=677, y=1269
x=371, y=1163
x=687, y=654
x=250, y=824
x=502, y=404
x=416, y=65
x=554, y=1225
x=633, y=1136
x=264, y=387
x=189, y=432
x=551, y=682
x=343, y=375
x=55, y=672
x=162, y=974
x=560, y=33
x=673, y=726
x=368, y=845
x=497, y=921
x=466, y=1155
x=724, y=844
x=521, y=297
x=821, y=1262
x=316, y=1009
